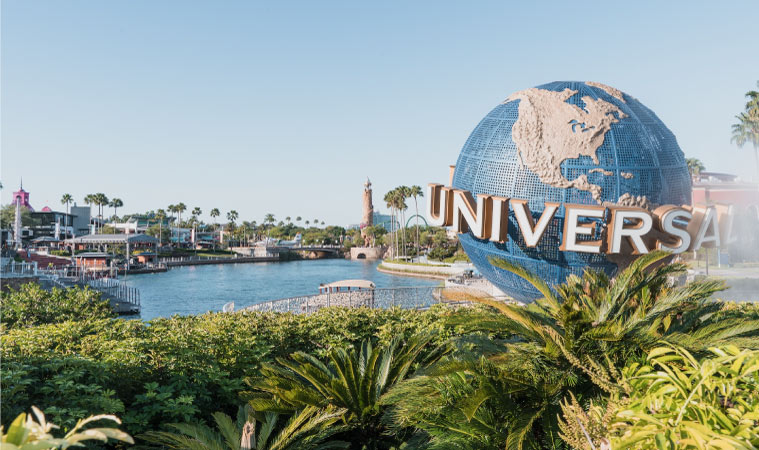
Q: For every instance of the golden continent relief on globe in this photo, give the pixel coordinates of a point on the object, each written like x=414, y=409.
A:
x=549, y=131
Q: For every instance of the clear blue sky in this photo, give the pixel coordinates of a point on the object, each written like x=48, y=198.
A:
x=286, y=107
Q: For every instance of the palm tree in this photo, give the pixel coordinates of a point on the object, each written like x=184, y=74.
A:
x=269, y=219
x=66, y=200
x=298, y=219
x=115, y=204
x=232, y=216
x=160, y=215
x=307, y=429
x=102, y=201
x=307, y=223
x=416, y=191
x=695, y=167
x=99, y=200
x=287, y=219
x=172, y=209
x=351, y=379
x=322, y=223
x=196, y=211
x=214, y=214
x=560, y=344
x=181, y=207
x=389, y=199
x=747, y=128
x=404, y=192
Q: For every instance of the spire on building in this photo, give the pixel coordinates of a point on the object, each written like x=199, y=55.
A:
x=21, y=197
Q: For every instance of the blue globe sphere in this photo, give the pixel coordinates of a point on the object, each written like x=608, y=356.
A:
x=566, y=142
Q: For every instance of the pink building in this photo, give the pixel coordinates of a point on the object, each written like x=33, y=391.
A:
x=713, y=187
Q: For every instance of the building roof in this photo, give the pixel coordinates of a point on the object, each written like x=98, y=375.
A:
x=93, y=255
x=361, y=284
x=113, y=239
x=45, y=239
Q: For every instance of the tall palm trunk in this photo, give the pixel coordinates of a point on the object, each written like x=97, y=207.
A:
x=395, y=233
x=401, y=249
x=403, y=230
x=416, y=214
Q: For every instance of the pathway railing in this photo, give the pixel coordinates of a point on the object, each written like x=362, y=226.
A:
x=170, y=259
x=13, y=268
x=116, y=290
x=383, y=298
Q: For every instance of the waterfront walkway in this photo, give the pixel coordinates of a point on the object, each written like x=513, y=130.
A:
x=124, y=300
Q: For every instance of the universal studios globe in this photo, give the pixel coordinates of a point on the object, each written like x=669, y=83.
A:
x=566, y=142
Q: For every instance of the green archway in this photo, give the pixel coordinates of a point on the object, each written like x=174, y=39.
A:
x=419, y=216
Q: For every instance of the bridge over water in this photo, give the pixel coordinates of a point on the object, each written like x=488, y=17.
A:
x=318, y=249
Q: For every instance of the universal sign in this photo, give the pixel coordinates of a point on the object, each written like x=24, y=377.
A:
x=587, y=228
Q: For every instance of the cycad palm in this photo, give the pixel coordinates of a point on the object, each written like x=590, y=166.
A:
x=351, y=379
x=308, y=429
x=564, y=341
x=593, y=315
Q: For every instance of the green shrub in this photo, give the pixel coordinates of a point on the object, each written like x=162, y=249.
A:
x=178, y=369
x=67, y=388
x=679, y=402
x=31, y=305
x=440, y=253
x=673, y=401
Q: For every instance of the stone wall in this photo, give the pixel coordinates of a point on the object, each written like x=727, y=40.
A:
x=370, y=253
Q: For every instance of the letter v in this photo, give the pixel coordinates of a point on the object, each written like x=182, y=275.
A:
x=530, y=231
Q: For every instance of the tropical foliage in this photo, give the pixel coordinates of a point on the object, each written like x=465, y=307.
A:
x=307, y=429
x=351, y=379
x=695, y=166
x=674, y=401
x=634, y=361
x=180, y=369
x=26, y=433
x=680, y=402
x=505, y=386
x=746, y=129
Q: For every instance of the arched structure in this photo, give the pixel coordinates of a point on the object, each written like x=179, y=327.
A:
x=419, y=216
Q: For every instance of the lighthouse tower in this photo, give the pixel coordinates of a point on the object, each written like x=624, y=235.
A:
x=367, y=216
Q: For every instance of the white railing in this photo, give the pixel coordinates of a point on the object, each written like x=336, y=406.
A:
x=113, y=288
x=19, y=269
x=384, y=298
x=174, y=259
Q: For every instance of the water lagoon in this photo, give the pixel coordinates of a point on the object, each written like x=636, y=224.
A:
x=198, y=289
